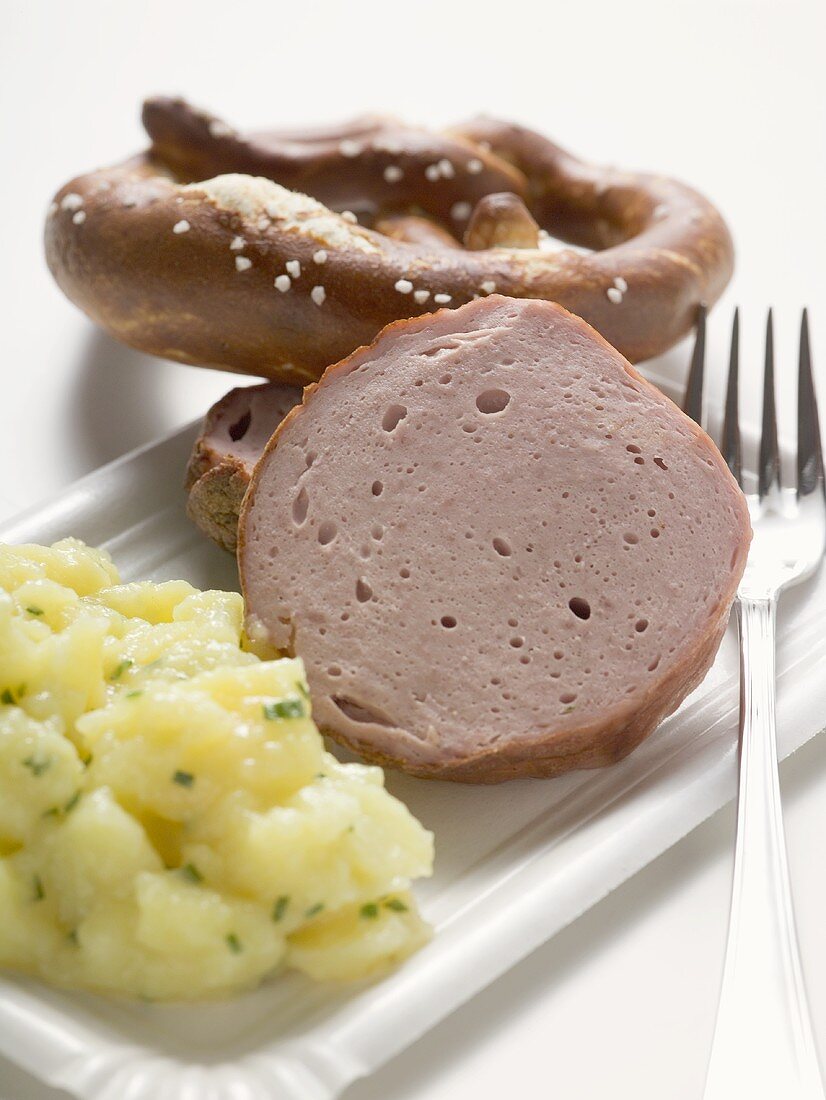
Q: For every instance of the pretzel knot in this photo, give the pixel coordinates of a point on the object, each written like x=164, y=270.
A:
x=279, y=253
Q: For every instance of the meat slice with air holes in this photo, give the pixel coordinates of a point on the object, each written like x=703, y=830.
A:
x=232, y=438
x=499, y=550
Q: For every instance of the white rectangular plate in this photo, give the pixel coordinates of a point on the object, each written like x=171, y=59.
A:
x=515, y=863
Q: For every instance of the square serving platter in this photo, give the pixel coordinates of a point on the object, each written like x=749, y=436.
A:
x=514, y=863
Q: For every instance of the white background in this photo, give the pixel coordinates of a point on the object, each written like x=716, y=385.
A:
x=729, y=95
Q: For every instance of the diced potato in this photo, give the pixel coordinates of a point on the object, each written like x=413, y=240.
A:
x=358, y=942
x=170, y=823
x=40, y=772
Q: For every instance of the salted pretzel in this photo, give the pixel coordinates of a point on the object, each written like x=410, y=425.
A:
x=278, y=253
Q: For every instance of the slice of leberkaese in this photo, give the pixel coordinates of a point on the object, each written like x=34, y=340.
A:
x=234, y=433
x=498, y=549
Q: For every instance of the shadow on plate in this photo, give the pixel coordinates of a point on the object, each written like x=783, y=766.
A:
x=123, y=399
x=117, y=403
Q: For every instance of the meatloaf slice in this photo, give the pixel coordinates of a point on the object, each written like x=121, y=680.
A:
x=498, y=549
x=232, y=438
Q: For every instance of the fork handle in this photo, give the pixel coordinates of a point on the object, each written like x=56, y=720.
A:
x=763, y=1043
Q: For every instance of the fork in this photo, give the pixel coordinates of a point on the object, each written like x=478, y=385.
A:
x=763, y=1043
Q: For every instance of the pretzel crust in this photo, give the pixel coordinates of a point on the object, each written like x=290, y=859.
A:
x=190, y=251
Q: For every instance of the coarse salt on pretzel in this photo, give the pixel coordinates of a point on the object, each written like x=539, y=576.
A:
x=206, y=248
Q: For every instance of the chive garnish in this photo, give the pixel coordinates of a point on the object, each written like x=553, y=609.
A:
x=7, y=698
x=568, y=710
x=190, y=872
x=35, y=610
x=133, y=694
x=183, y=779
x=280, y=908
x=73, y=801
x=396, y=904
x=72, y=937
x=314, y=909
x=303, y=689
x=53, y=811
x=234, y=944
x=126, y=663
x=285, y=708
x=39, y=892
x=369, y=911
x=36, y=767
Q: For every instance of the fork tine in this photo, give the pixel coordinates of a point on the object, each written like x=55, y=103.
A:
x=769, y=471
x=730, y=446
x=809, y=447
x=693, y=402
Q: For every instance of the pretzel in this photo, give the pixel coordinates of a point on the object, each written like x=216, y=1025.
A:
x=501, y=221
x=209, y=249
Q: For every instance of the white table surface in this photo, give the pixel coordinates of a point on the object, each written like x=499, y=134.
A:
x=727, y=94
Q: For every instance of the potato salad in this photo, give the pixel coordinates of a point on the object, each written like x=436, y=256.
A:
x=171, y=826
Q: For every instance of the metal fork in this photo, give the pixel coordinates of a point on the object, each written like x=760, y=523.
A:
x=763, y=1043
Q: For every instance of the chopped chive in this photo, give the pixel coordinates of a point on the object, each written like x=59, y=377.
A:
x=21, y=691
x=39, y=892
x=53, y=811
x=302, y=687
x=369, y=911
x=183, y=779
x=321, y=775
x=73, y=801
x=285, y=708
x=234, y=944
x=568, y=710
x=72, y=937
x=396, y=904
x=126, y=663
x=190, y=872
x=280, y=908
x=7, y=698
x=314, y=909
x=36, y=767
x=133, y=694
x=35, y=610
